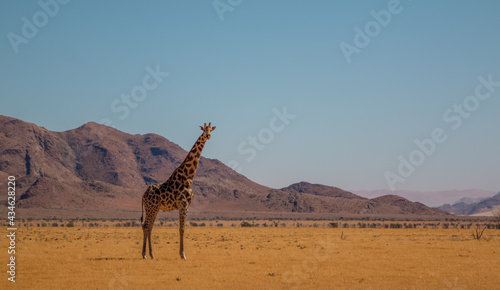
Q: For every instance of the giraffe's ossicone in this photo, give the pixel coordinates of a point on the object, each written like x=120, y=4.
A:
x=174, y=194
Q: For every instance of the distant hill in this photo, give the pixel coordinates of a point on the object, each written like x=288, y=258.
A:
x=470, y=200
x=98, y=167
x=432, y=198
x=486, y=207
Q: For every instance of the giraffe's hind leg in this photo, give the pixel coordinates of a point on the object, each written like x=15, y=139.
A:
x=182, y=219
x=145, y=232
x=150, y=248
x=147, y=228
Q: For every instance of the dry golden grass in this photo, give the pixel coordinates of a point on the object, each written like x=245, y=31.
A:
x=59, y=258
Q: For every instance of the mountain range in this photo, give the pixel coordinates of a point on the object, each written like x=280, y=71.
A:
x=99, y=167
x=484, y=206
x=432, y=198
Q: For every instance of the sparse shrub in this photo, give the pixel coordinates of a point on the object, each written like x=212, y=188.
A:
x=333, y=225
x=220, y=225
x=193, y=224
x=395, y=226
x=70, y=224
x=202, y=224
x=477, y=234
x=245, y=224
x=55, y=225
x=496, y=218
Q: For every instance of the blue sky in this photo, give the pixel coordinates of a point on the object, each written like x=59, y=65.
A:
x=354, y=120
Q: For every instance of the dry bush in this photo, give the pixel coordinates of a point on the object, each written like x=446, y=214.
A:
x=245, y=224
x=477, y=234
x=333, y=225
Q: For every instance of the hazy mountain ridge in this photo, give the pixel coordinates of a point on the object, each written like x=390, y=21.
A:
x=431, y=198
x=486, y=206
x=95, y=166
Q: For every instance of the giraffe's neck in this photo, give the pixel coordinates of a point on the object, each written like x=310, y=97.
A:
x=190, y=164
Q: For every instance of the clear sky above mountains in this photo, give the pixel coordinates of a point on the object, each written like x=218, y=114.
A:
x=354, y=94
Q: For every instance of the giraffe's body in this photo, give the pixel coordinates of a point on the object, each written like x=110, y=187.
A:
x=174, y=194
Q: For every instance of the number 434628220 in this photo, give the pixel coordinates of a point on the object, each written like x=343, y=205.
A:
x=11, y=202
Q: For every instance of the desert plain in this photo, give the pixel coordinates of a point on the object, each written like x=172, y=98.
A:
x=255, y=257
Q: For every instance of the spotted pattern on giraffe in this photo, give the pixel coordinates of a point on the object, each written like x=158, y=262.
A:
x=174, y=194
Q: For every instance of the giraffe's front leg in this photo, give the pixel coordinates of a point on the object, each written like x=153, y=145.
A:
x=182, y=219
x=147, y=228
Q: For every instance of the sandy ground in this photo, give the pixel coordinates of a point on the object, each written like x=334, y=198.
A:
x=234, y=257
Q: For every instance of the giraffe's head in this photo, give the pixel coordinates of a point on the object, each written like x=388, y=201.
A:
x=207, y=130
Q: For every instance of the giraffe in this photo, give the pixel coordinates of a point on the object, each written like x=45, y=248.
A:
x=174, y=194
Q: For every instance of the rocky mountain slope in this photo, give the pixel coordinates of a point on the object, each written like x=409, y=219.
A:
x=95, y=166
